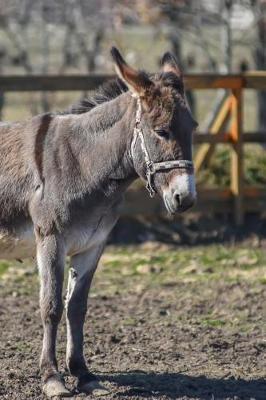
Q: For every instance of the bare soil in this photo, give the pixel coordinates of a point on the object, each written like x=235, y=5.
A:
x=163, y=323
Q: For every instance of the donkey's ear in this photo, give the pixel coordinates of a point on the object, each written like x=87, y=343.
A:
x=136, y=81
x=170, y=64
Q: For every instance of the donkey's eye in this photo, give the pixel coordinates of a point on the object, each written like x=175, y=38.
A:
x=162, y=133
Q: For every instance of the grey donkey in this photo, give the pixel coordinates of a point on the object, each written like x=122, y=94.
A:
x=62, y=179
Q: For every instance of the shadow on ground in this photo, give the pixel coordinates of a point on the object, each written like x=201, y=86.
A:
x=175, y=386
x=190, y=229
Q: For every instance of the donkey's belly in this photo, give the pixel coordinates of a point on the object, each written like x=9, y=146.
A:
x=17, y=247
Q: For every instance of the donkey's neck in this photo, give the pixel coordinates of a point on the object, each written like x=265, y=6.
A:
x=104, y=154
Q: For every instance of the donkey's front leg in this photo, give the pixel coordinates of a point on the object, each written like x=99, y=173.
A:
x=50, y=259
x=81, y=273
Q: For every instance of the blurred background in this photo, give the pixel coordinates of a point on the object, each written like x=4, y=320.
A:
x=218, y=37
x=74, y=37
x=178, y=307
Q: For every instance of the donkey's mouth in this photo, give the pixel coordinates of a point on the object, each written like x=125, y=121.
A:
x=174, y=206
x=169, y=206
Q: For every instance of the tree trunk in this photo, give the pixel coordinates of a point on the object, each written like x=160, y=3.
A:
x=176, y=48
x=260, y=59
x=45, y=48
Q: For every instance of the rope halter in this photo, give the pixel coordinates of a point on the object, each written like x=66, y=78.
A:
x=153, y=167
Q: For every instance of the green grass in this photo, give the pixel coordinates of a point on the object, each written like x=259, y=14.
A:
x=216, y=323
x=201, y=264
x=4, y=265
x=208, y=286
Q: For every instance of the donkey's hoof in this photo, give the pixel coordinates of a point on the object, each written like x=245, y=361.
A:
x=55, y=387
x=93, y=387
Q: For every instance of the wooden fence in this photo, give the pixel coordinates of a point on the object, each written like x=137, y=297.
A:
x=237, y=198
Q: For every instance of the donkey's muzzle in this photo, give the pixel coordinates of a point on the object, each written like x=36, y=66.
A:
x=178, y=202
x=181, y=194
x=183, y=202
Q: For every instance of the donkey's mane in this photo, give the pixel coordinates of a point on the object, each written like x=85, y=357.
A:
x=111, y=89
x=106, y=92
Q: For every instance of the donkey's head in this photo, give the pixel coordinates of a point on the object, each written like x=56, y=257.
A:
x=161, y=148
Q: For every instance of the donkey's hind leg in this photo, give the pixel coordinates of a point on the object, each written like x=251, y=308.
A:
x=81, y=273
x=50, y=259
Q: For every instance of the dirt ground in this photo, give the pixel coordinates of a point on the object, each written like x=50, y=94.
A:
x=164, y=322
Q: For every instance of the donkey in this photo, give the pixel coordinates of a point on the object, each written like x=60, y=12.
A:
x=62, y=178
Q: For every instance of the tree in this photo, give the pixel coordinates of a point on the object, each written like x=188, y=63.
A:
x=260, y=58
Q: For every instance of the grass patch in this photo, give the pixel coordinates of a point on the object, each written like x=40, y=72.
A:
x=203, y=265
x=4, y=265
x=215, y=323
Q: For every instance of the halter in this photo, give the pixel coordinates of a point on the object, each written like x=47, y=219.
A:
x=153, y=167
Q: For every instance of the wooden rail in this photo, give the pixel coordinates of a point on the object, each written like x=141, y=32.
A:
x=226, y=128
x=209, y=200
x=33, y=83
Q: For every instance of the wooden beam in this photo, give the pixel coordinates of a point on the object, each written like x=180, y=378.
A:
x=237, y=175
x=210, y=138
x=33, y=83
x=255, y=80
x=16, y=83
x=213, y=81
x=205, y=151
x=214, y=200
x=248, y=137
x=254, y=137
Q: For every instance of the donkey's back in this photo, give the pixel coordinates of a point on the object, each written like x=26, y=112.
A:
x=16, y=184
x=16, y=172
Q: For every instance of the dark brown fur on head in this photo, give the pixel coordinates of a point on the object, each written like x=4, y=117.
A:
x=162, y=98
x=159, y=94
x=166, y=120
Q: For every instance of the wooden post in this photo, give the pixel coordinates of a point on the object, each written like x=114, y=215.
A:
x=237, y=175
x=205, y=152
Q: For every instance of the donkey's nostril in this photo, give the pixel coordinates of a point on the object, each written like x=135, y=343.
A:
x=177, y=198
x=182, y=201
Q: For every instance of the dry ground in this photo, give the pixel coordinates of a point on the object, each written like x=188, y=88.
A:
x=164, y=323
